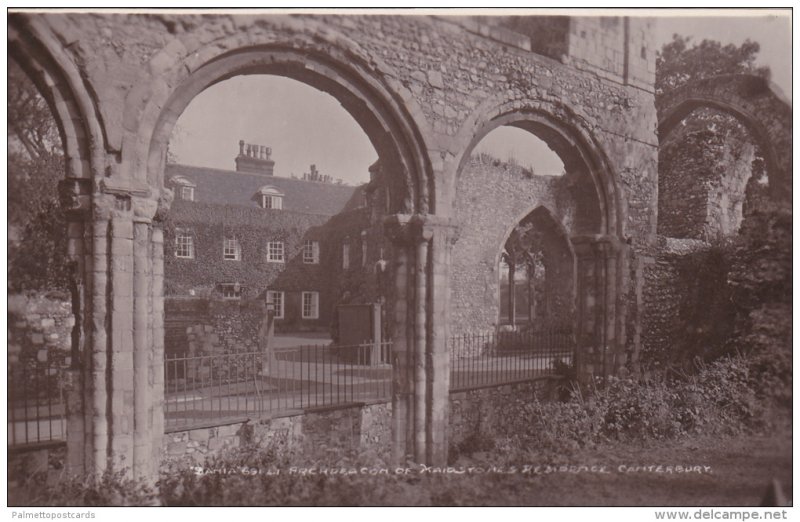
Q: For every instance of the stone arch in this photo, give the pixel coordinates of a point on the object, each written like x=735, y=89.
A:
x=378, y=110
x=558, y=237
x=561, y=130
x=59, y=82
x=390, y=123
x=598, y=233
x=754, y=101
x=544, y=214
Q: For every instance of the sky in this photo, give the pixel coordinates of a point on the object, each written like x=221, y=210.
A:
x=303, y=125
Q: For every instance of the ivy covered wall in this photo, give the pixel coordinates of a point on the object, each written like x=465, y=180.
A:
x=209, y=224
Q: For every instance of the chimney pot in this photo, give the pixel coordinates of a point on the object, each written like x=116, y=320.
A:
x=254, y=159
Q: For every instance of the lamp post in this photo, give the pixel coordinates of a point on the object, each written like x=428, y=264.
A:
x=377, y=308
x=267, y=333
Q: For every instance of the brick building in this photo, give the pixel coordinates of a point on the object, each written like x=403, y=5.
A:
x=247, y=234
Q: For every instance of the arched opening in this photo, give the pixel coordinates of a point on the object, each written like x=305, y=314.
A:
x=52, y=252
x=386, y=125
x=573, y=231
x=537, y=283
x=753, y=104
x=270, y=223
x=40, y=336
x=530, y=161
x=712, y=173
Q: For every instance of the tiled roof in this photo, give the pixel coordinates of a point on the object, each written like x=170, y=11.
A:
x=227, y=187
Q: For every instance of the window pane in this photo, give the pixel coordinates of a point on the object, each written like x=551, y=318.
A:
x=311, y=251
x=231, y=249
x=275, y=251
x=184, y=244
x=310, y=305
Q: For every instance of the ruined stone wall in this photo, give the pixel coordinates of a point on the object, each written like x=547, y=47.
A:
x=360, y=429
x=39, y=329
x=476, y=414
x=443, y=74
x=491, y=198
x=702, y=179
x=423, y=88
x=687, y=304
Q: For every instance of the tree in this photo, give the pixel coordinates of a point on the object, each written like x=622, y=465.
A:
x=37, y=244
x=678, y=64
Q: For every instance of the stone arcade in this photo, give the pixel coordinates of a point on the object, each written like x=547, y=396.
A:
x=425, y=90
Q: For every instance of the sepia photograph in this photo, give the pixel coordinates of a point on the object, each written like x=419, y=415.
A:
x=400, y=257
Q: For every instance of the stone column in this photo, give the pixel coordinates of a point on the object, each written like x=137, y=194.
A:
x=421, y=364
x=75, y=198
x=443, y=236
x=600, y=346
x=115, y=415
x=402, y=360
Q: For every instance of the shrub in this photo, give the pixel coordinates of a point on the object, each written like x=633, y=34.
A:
x=109, y=489
x=719, y=397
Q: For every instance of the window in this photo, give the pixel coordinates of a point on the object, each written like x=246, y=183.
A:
x=231, y=291
x=231, y=250
x=310, y=305
x=270, y=197
x=184, y=244
x=311, y=252
x=275, y=252
x=273, y=202
x=187, y=193
x=276, y=300
x=345, y=256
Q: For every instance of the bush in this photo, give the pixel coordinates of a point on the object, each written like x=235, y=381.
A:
x=109, y=489
x=718, y=398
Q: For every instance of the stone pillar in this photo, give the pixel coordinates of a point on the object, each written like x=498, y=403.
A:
x=96, y=364
x=402, y=392
x=75, y=198
x=443, y=236
x=421, y=364
x=115, y=392
x=600, y=343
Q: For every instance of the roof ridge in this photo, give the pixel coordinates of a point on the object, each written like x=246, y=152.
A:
x=261, y=176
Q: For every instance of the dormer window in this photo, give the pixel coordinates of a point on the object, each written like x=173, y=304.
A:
x=187, y=193
x=270, y=197
x=184, y=189
x=273, y=202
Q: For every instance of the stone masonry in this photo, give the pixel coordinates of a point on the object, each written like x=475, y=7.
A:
x=425, y=90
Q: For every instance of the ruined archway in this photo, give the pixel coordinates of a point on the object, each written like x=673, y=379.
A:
x=546, y=245
x=421, y=105
x=57, y=79
x=388, y=127
x=420, y=239
x=753, y=101
x=587, y=201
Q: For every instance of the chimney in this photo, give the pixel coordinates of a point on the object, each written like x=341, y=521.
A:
x=254, y=159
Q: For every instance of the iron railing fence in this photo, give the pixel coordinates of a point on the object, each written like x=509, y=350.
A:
x=497, y=358
x=215, y=388
x=36, y=407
